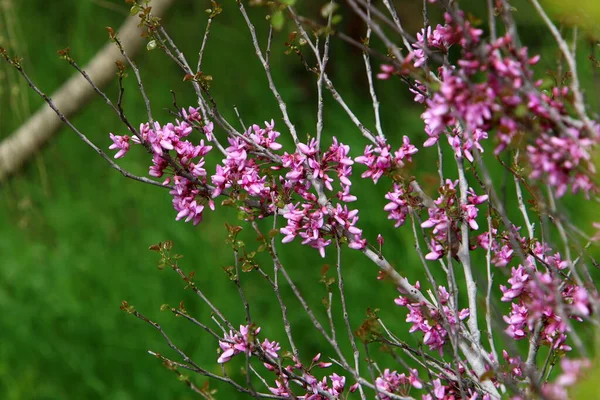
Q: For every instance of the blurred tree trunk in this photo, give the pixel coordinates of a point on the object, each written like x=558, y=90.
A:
x=72, y=96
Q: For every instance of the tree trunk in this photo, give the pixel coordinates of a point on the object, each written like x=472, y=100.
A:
x=72, y=96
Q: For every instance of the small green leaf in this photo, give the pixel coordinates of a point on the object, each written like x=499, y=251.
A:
x=277, y=20
x=155, y=247
x=248, y=266
x=288, y=2
x=328, y=9
x=227, y=203
x=151, y=45
x=134, y=10
x=125, y=306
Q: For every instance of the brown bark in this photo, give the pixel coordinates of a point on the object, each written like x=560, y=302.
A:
x=72, y=96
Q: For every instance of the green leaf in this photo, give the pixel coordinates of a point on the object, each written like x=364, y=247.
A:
x=277, y=20
x=288, y=2
x=273, y=233
x=134, y=9
x=328, y=9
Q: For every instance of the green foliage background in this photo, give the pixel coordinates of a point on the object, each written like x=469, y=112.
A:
x=74, y=233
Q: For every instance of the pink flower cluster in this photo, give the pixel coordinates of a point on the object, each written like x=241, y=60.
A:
x=248, y=167
x=121, y=143
x=433, y=322
x=501, y=249
x=393, y=382
x=329, y=387
x=322, y=390
x=565, y=160
x=315, y=389
x=172, y=153
x=316, y=223
x=242, y=342
x=571, y=372
x=240, y=170
x=445, y=218
x=513, y=366
x=245, y=341
x=186, y=195
x=250, y=160
x=491, y=89
x=543, y=296
x=440, y=39
x=313, y=224
x=439, y=388
x=451, y=391
x=379, y=158
x=398, y=206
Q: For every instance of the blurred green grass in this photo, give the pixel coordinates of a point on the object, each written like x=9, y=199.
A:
x=74, y=233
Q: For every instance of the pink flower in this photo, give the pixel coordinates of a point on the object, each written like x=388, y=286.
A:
x=271, y=348
x=438, y=389
x=386, y=71
x=379, y=158
x=265, y=137
x=390, y=382
x=121, y=143
x=238, y=342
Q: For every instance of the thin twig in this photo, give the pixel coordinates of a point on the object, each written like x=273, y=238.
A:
x=578, y=100
x=82, y=136
x=369, y=74
x=267, y=68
